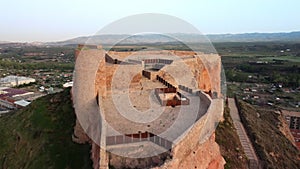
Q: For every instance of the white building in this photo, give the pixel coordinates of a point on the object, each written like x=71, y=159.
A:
x=21, y=103
x=68, y=84
x=10, y=81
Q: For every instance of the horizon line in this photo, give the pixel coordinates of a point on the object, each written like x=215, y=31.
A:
x=87, y=36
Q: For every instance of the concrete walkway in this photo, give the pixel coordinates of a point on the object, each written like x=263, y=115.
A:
x=244, y=139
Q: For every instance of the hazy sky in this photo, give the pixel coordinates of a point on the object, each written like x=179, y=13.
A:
x=55, y=20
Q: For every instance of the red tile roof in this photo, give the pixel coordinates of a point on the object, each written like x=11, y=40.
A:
x=11, y=92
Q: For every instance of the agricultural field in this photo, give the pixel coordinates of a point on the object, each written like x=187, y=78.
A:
x=265, y=75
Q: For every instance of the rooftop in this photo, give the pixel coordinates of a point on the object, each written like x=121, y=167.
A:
x=22, y=103
x=14, y=78
x=11, y=92
x=290, y=113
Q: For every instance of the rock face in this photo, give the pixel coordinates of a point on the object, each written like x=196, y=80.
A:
x=203, y=156
x=81, y=137
x=195, y=148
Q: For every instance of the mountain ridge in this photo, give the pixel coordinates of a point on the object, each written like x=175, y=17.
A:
x=186, y=38
x=167, y=38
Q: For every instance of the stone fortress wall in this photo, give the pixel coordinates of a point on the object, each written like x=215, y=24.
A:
x=196, y=148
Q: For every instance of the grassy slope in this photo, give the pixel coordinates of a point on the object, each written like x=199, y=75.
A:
x=39, y=136
x=228, y=140
x=273, y=148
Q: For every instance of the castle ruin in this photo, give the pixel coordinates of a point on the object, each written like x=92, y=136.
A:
x=148, y=109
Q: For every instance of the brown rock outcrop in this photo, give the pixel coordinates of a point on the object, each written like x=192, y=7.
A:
x=194, y=149
x=204, y=156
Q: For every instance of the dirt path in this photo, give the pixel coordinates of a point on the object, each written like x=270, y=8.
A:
x=244, y=139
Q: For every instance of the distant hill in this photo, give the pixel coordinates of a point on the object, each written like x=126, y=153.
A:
x=4, y=42
x=156, y=38
x=187, y=38
x=40, y=136
x=125, y=39
x=256, y=37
